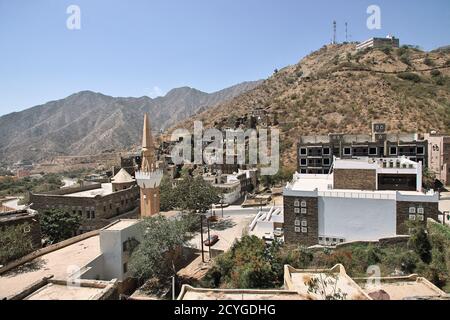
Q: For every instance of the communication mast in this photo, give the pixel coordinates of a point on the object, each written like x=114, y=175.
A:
x=334, y=32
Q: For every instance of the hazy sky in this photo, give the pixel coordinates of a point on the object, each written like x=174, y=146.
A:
x=137, y=47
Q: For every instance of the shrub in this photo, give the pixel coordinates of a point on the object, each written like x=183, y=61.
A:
x=405, y=59
x=428, y=62
x=435, y=73
x=409, y=76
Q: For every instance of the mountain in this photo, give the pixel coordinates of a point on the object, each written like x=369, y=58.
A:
x=337, y=89
x=89, y=122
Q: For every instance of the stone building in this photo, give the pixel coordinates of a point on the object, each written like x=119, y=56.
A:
x=97, y=204
x=362, y=199
x=439, y=156
x=388, y=42
x=315, y=153
x=27, y=218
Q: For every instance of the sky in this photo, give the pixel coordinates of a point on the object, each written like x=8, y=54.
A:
x=147, y=47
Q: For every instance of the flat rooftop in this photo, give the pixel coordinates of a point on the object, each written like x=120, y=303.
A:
x=106, y=189
x=121, y=224
x=52, y=291
x=299, y=280
x=59, y=263
x=190, y=293
x=401, y=288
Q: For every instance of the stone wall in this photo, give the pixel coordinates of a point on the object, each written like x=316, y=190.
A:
x=31, y=220
x=355, y=179
x=311, y=237
x=430, y=210
x=95, y=211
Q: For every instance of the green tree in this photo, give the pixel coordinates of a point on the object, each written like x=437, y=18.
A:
x=156, y=254
x=195, y=194
x=14, y=243
x=248, y=264
x=168, y=200
x=58, y=225
x=419, y=241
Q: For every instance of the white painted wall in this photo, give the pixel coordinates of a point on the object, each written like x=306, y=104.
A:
x=357, y=219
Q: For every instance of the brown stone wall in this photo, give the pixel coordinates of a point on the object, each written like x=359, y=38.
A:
x=105, y=207
x=35, y=229
x=355, y=179
x=430, y=211
x=311, y=237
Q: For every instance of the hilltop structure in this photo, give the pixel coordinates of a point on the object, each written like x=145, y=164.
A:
x=388, y=42
x=149, y=176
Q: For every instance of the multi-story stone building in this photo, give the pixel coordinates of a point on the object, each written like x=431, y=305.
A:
x=97, y=204
x=388, y=42
x=439, y=156
x=362, y=199
x=29, y=222
x=315, y=153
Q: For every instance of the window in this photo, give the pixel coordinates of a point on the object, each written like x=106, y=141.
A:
x=304, y=230
x=373, y=151
x=412, y=210
x=420, y=217
x=393, y=151
x=347, y=151
x=303, y=204
x=420, y=210
x=125, y=268
x=326, y=162
x=124, y=246
x=304, y=223
x=412, y=217
x=341, y=240
x=296, y=203
x=303, y=151
x=303, y=211
x=297, y=229
x=297, y=222
x=326, y=151
x=26, y=229
x=303, y=171
x=303, y=162
x=420, y=150
x=296, y=210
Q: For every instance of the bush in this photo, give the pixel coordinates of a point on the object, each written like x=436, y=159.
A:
x=435, y=73
x=405, y=59
x=428, y=62
x=409, y=76
x=14, y=243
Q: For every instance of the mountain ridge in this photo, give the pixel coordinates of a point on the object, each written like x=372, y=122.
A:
x=88, y=122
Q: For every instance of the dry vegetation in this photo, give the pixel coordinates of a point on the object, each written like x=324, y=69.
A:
x=337, y=89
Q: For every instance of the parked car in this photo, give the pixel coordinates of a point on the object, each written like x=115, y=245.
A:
x=211, y=240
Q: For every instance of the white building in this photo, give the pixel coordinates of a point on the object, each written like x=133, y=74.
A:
x=116, y=243
x=362, y=199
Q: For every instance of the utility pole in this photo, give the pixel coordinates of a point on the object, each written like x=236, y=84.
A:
x=209, y=239
x=334, y=32
x=201, y=236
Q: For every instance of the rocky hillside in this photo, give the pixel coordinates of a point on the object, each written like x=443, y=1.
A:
x=337, y=89
x=89, y=123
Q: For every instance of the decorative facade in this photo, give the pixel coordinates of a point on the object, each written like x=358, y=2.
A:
x=149, y=176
